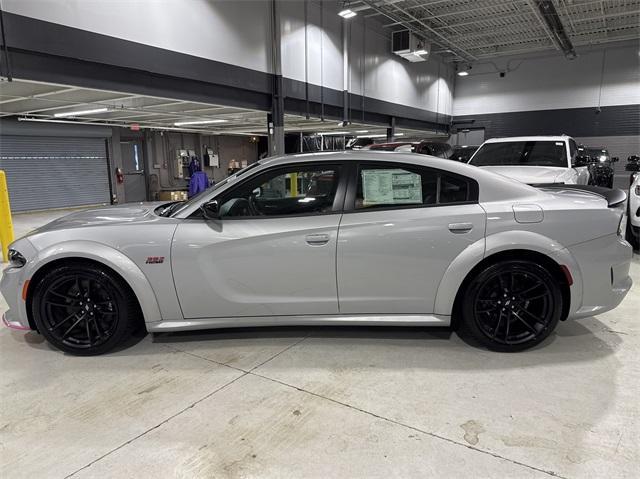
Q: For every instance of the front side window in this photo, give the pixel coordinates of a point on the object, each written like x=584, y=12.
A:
x=295, y=190
x=521, y=153
x=409, y=186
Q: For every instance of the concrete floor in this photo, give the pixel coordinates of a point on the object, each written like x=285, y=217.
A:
x=326, y=402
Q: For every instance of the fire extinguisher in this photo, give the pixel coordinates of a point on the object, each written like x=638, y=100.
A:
x=119, y=175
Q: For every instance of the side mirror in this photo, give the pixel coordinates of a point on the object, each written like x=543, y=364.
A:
x=257, y=193
x=581, y=161
x=614, y=159
x=210, y=210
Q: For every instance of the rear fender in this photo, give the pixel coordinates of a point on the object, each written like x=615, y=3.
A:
x=111, y=258
x=504, y=241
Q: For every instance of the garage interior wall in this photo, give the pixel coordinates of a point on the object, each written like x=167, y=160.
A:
x=374, y=71
x=160, y=156
x=239, y=34
x=595, y=95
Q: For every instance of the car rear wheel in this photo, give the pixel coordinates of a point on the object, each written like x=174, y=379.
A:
x=84, y=309
x=512, y=305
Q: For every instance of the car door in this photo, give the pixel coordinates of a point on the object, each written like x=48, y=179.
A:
x=272, y=250
x=403, y=225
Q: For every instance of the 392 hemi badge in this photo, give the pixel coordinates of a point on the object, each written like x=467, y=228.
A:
x=155, y=260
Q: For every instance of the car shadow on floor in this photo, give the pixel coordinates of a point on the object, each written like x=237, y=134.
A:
x=573, y=341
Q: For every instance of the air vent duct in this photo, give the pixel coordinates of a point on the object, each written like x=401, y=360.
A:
x=409, y=46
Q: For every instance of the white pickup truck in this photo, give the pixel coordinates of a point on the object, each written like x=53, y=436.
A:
x=535, y=160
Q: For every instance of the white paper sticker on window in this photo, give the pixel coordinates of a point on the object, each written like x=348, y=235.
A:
x=391, y=187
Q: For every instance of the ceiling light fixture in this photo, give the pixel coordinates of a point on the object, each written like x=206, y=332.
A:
x=346, y=13
x=323, y=133
x=128, y=125
x=80, y=112
x=378, y=136
x=199, y=122
x=463, y=73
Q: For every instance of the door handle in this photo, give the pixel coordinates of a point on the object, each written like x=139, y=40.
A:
x=460, y=227
x=317, y=239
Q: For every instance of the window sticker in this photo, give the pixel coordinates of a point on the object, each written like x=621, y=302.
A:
x=391, y=187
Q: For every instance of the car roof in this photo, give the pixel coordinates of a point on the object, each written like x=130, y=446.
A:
x=529, y=138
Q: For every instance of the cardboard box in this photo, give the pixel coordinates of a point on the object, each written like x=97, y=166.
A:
x=177, y=195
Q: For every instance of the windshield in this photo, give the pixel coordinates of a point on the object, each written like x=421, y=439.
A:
x=198, y=198
x=521, y=153
x=598, y=155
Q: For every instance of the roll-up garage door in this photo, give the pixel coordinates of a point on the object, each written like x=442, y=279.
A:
x=54, y=172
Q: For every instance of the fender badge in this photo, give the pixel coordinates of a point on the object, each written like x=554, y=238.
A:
x=155, y=260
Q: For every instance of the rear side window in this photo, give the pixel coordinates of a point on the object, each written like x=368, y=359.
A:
x=410, y=186
x=521, y=153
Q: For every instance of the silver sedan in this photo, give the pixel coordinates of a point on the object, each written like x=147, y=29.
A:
x=329, y=238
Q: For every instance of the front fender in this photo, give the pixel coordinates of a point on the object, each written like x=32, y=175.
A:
x=111, y=258
x=504, y=241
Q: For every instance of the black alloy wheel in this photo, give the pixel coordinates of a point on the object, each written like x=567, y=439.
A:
x=83, y=309
x=512, y=305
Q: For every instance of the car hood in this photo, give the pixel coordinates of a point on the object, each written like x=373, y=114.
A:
x=108, y=215
x=535, y=174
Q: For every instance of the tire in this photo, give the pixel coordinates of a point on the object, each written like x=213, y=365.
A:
x=84, y=310
x=511, y=305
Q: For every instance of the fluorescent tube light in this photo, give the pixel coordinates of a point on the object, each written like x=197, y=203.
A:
x=199, y=122
x=378, y=136
x=463, y=73
x=80, y=112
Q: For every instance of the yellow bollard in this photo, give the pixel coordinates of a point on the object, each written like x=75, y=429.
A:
x=6, y=226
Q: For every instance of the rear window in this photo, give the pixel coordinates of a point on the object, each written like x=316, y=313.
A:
x=521, y=153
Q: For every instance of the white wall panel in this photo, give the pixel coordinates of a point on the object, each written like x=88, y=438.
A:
x=378, y=73
x=229, y=31
x=374, y=70
x=551, y=83
x=238, y=32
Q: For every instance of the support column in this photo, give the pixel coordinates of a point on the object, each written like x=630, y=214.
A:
x=345, y=73
x=391, y=131
x=276, y=118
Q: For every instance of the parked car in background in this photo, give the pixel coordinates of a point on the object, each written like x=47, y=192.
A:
x=633, y=163
x=424, y=147
x=392, y=146
x=358, y=143
x=633, y=222
x=600, y=163
x=463, y=153
x=434, y=148
x=423, y=242
x=535, y=160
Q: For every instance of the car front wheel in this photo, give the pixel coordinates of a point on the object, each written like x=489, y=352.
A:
x=512, y=305
x=84, y=309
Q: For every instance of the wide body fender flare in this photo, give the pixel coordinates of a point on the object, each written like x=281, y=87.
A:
x=471, y=256
x=109, y=257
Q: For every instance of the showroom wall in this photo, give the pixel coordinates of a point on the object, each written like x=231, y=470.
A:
x=374, y=71
x=596, y=94
x=229, y=43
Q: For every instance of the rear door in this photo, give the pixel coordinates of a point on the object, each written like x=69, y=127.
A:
x=403, y=225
